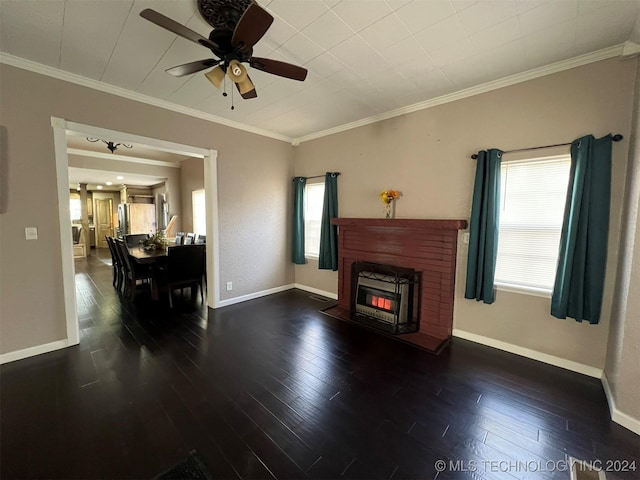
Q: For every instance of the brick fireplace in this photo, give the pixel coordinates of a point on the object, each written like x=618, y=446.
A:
x=426, y=246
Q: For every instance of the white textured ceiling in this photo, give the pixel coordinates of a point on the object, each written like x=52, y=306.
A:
x=365, y=57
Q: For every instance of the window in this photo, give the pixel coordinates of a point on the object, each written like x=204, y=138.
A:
x=532, y=202
x=75, y=207
x=198, y=202
x=313, y=202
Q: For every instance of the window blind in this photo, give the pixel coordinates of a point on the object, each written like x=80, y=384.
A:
x=75, y=207
x=198, y=202
x=314, y=199
x=532, y=200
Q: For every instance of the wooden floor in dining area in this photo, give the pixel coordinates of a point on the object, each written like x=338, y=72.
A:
x=272, y=388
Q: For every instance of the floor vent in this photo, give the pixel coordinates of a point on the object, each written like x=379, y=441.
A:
x=583, y=470
x=319, y=298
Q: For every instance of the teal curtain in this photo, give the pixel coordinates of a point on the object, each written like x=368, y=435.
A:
x=328, y=256
x=582, y=258
x=297, y=250
x=485, y=220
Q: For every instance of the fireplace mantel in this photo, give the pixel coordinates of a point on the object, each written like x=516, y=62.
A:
x=420, y=223
x=426, y=245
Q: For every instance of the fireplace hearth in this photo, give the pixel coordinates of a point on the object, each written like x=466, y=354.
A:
x=383, y=297
x=426, y=247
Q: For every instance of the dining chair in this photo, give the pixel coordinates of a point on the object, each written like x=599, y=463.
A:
x=115, y=260
x=190, y=239
x=133, y=272
x=179, y=238
x=122, y=266
x=75, y=234
x=202, y=240
x=134, y=239
x=184, y=268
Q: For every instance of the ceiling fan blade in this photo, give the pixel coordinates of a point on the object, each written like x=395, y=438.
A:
x=251, y=27
x=247, y=89
x=276, y=67
x=173, y=26
x=192, y=67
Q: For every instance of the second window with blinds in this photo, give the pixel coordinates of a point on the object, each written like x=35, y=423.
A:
x=198, y=202
x=313, y=202
x=532, y=199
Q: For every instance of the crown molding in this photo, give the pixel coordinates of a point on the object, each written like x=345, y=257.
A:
x=598, y=55
x=35, y=67
x=574, y=62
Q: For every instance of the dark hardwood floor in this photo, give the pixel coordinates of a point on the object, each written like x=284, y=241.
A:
x=272, y=388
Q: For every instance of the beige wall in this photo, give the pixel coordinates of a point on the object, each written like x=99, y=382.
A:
x=426, y=154
x=192, y=178
x=623, y=352
x=309, y=275
x=257, y=191
x=253, y=176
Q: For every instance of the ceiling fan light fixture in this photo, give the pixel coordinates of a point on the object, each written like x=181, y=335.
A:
x=215, y=76
x=237, y=72
x=238, y=26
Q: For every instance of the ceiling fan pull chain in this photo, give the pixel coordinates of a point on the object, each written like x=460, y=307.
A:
x=232, y=107
x=224, y=88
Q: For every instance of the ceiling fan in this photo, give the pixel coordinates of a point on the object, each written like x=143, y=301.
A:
x=238, y=26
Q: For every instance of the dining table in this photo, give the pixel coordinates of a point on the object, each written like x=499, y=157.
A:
x=146, y=257
x=154, y=259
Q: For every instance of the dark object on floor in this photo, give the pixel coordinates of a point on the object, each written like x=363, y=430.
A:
x=191, y=468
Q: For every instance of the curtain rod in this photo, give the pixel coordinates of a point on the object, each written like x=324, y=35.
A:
x=318, y=176
x=616, y=138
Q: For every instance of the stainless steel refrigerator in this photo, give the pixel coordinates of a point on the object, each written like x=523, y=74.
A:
x=136, y=218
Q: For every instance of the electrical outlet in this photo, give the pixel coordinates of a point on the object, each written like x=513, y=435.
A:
x=31, y=233
x=229, y=286
x=465, y=238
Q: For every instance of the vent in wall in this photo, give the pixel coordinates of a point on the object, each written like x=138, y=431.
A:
x=319, y=298
x=583, y=470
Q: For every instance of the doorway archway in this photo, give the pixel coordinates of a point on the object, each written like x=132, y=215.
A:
x=62, y=128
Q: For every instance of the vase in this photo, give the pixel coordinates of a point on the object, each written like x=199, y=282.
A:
x=388, y=210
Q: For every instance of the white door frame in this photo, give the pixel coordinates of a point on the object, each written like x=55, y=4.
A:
x=61, y=128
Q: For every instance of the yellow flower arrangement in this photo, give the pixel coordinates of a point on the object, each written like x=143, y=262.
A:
x=388, y=196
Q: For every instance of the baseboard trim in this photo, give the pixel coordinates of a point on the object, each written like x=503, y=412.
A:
x=529, y=353
x=317, y=291
x=33, y=351
x=253, y=296
x=627, y=421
